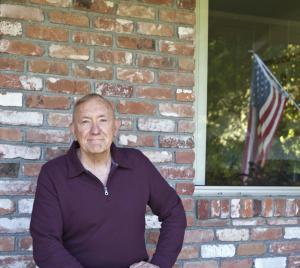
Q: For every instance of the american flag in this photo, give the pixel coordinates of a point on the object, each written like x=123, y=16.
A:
x=267, y=103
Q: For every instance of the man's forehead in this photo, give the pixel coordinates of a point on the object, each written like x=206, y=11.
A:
x=94, y=106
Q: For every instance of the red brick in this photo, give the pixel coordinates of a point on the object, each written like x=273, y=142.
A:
x=25, y=243
x=202, y=209
x=184, y=94
x=46, y=33
x=68, y=86
x=116, y=90
x=247, y=208
x=17, y=261
x=266, y=233
x=293, y=261
x=59, y=119
x=152, y=237
x=20, y=48
x=21, y=12
x=186, y=64
x=135, y=11
x=101, y=6
x=190, y=220
x=248, y=249
x=177, y=79
x=158, y=2
x=176, y=110
x=174, y=48
x=188, y=204
x=47, y=102
x=69, y=52
x=187, y=4
x=177, y=16
x=136, y=140
x=89, y=38
x=113, y=25
x=11, y=64
x=10, y=81
x=184, y=157
x=225, y=204
x=9, y=170
x=201, y=264
x=155, y=29
x=48, y=67
x=93, y=72
x=136, y=43
x=177, y=172
x=188, y=252
x=215, y=208
x=113, y=57
x=7, y=243
x=285, y=247
x=135, y=75
x=10, y=134
x=159, y=93
x=47, y=136
x=68, y=18
x=183, y=142
x=213, y=223
x=279, y=209
x=257, y=206
x=267, y=207
x=58, y=3
x=52, y=152
x=245, y=263
x=32, y=169
x=185, y=188
x=186, y=126
x=154, y=61
x=198, y=236
x=130, y=107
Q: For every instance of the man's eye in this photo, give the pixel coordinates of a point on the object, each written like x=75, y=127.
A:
x=84, y=122
x=103, y=120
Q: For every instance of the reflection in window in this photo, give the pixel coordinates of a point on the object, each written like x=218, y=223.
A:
x=233, y=32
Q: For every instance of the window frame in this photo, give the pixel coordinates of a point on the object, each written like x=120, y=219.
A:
x=200, y=89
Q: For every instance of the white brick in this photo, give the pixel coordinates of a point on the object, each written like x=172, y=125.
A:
x=15, y=151
x=25, y=13
x=17, y=261
x=12, y=187
x=248, y=222
x=14, y=225
x=21, y=118
x=214, y=251
x=11, y=99
x=31, y=83
x=235, y=208
x=126, y=139
x=276, y=262
x=162, y=125
x=290, y=207
x=233, y=234
x=158, y=157
x=152, y=222
x=6, y=204
x=186, y=33
x=10, y=28
x=25, y=205
x=292, y=232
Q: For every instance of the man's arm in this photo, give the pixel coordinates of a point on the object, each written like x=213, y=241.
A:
x=46, y=228
x=165, y=203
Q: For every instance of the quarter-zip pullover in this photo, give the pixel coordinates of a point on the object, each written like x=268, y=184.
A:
x=78, y=222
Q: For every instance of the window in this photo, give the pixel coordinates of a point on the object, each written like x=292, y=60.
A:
x=231, y=30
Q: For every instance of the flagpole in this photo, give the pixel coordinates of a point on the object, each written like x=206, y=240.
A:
x=287, y=94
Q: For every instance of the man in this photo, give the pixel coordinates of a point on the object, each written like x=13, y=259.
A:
x=89, y=208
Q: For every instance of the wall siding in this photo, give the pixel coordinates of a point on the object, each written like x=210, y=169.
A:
x=140, y=55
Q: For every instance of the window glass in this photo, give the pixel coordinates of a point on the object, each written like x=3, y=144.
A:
x=236, y=28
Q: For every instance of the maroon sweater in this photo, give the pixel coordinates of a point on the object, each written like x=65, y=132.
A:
x=76, y=222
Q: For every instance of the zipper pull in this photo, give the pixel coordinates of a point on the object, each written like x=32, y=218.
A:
x=105, y=190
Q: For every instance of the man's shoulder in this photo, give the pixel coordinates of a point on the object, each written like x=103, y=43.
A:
x=130, y=156
x=55, y=163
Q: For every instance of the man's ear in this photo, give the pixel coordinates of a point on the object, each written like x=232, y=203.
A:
x=117, y=126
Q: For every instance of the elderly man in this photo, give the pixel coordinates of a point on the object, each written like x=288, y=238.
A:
x=89, y=208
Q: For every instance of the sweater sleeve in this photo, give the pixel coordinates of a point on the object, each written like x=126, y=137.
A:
x=166, y=204
x=46, y=228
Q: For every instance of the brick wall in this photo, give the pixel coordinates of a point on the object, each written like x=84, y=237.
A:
x=140, y=54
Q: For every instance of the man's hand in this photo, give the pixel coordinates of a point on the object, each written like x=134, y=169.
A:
x=143, y=264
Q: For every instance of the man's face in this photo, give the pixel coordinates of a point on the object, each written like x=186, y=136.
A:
x=94, y=126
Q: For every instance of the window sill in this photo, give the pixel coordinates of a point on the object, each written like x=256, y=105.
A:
x=202, y=190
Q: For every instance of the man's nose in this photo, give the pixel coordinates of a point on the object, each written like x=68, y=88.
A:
x=95, y=128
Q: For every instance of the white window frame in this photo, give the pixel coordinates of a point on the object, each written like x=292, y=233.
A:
x=201, y=61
